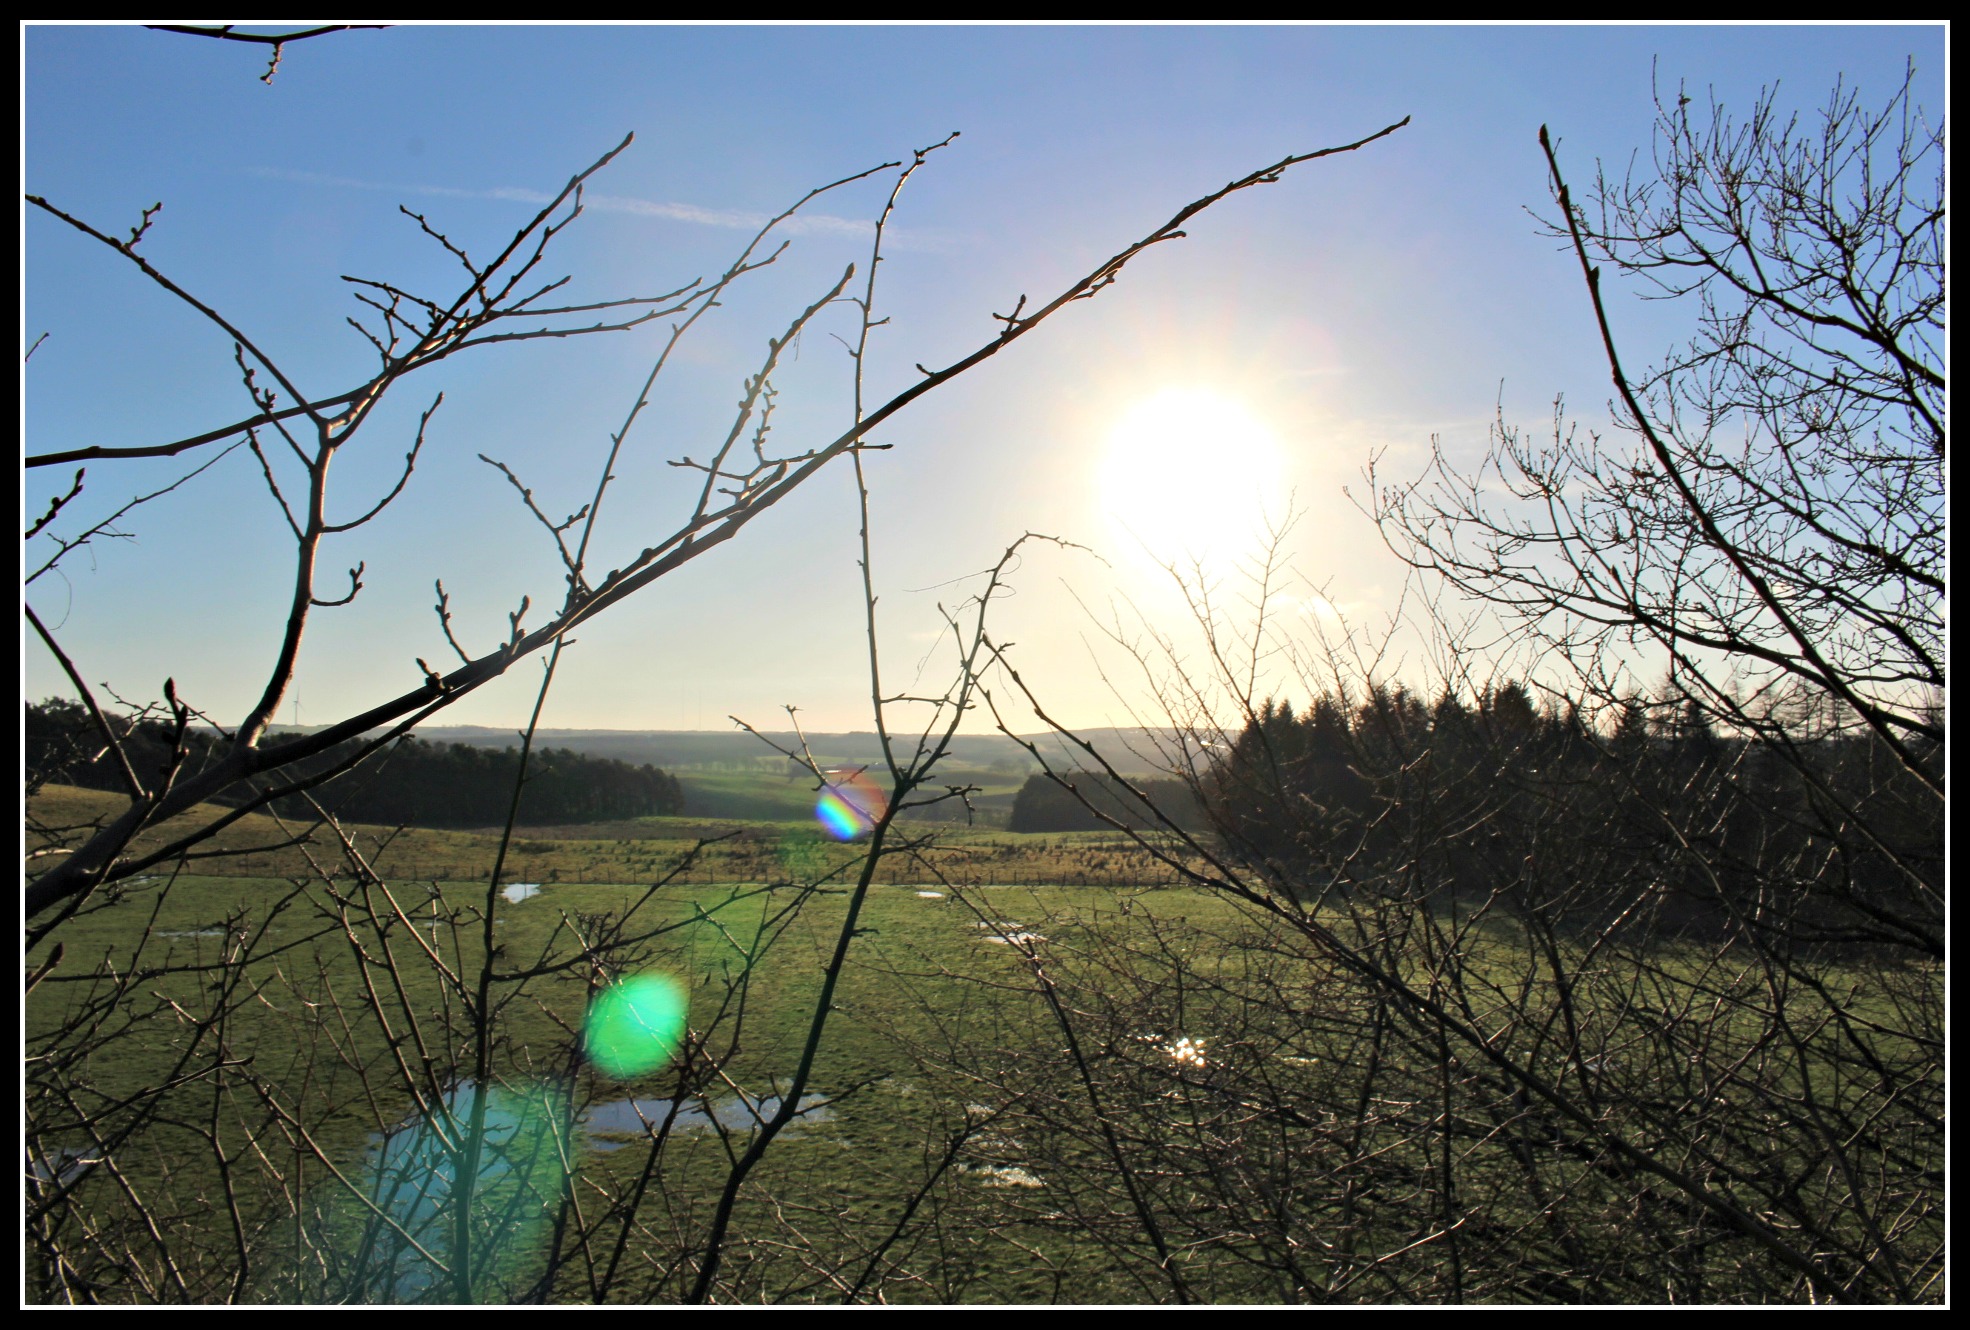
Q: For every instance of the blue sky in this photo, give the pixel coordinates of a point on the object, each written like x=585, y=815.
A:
x=1363, y=305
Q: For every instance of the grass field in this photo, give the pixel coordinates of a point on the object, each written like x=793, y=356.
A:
x=1035, y=1084
x=932, y=963
x=925, y=975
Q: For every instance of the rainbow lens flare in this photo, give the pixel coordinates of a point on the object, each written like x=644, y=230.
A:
x=636, y=1026
x=850, y=806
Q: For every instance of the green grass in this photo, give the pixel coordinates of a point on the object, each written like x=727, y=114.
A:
x=767, y=794
x=746, y=795
x=921, y=972
x=931, y=1016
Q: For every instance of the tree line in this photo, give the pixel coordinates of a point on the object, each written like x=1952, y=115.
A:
x=1823, y=839
x=1096, y=801
x=409, y=782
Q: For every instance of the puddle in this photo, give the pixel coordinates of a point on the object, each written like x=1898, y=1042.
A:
x=639, y=1117
x=519, y=891
x=1007, y=932
x=65, y=1165
x=512, y=1119
x=194, y=932
x=1187, y=1051
x=930, y=895
x=409, y=1178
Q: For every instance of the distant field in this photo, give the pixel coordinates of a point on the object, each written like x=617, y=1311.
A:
x=767, y=792
x=678, y=751
x=780, y=840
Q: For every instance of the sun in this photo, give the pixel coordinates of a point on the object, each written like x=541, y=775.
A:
x=1190, y=475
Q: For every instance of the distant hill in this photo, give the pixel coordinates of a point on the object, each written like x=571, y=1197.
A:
x=674, y=749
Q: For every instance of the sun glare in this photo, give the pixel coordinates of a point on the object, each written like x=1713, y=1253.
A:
x=1190, y=474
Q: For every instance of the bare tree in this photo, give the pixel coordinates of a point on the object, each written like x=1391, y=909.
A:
x=1500, y=1006
x=1778, y=523
x=162, y=1093
x=1777, y=531
x=742, y=479
x=1633, y=996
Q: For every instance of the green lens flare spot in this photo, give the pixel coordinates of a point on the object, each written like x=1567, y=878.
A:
x=636, y=1026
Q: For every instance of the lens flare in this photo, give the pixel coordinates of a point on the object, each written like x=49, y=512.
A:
x=636, y=1026
x=395, y=1237
x=850, y=806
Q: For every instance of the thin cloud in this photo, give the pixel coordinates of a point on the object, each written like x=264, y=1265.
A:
x=816, y=224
